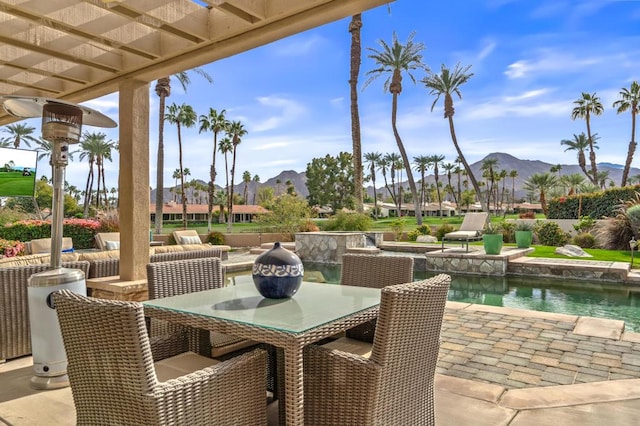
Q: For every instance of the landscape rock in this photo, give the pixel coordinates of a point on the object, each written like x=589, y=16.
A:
x=572, y=250
x=426, y=239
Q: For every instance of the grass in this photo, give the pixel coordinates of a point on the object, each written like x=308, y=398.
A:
x=598, y=254
x=13, y=184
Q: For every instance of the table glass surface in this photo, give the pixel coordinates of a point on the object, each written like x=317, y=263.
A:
x=312, y=306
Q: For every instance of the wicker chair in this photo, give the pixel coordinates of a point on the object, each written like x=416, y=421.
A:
x=187, y=276
x=15, y=328
x=395, y=385
x=364, y=270
x=115, y=382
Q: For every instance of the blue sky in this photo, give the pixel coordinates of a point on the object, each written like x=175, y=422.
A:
x=530, y=59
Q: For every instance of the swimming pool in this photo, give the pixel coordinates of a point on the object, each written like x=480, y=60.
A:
x=574, y=297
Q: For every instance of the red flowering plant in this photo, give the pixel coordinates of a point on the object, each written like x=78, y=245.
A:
x=9, y=248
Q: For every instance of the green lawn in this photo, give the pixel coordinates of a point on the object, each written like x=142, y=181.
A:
x=14, y=184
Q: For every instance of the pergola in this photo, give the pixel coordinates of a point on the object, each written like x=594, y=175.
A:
x=79, y=50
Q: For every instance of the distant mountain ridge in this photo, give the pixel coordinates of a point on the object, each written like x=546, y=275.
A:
x=505, y=161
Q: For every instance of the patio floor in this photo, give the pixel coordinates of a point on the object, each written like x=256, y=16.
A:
x=497, y=366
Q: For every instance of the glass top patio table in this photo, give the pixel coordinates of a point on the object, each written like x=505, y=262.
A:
x=316, y=311
x=312, y=306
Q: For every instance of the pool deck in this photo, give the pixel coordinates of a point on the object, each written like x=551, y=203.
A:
x=497, y=366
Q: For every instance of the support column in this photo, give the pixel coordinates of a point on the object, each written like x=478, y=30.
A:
x=133, y=181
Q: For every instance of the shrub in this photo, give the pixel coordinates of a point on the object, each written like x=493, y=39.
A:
x=584, y=240
x=309, y=226
x=550, y=234
x=214, y=237
x=615, y=232
x=508, y=231
x=443, y=229
x=527, y=215
x=288, y=214
x=423, y=229
x=11, y=248
x=110, y=222
x=397, y=226
x=348, y=222
x=81, y=231
x=585, y=224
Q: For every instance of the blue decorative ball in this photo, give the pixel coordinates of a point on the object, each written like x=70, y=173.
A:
x=277, y=273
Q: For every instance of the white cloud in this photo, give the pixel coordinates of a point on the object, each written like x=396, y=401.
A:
x=298, y=45
x=290, y=111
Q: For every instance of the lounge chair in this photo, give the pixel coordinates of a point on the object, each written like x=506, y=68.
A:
x=470, y=229
x=108, y=240
x=187, y=236
x=43, y=245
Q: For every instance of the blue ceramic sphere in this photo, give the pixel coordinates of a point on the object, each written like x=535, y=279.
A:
x=277, y=273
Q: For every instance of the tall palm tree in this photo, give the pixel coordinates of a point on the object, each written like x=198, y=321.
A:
x=355, y=55
x=589, y=105
x=513, y=174
x=579, y=143
x=89, y=148
x=629, y=100
x=392, y=61
x=19, y=132
x=237, y=131
x=447, y=83
x=488, y=168
x=541, y=183
x=392, y=161
x=373, y=158
x=163, y=90
x=181, y=116
x=383, y=166
x=215, y=122
x=225, y=146
x=102, y=151
x=450, y=168
x=435, y=162
x=255, y=179
x=572, y=182
x=246, y=178
x=421, y=163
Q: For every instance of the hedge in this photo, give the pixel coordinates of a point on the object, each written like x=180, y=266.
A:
x=81, y=231
x=595, y=205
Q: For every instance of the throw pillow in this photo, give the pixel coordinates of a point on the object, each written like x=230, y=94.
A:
x=112, y=245
x=190, y=239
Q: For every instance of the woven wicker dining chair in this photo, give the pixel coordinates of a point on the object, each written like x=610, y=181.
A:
x=115, y=382
x=394, y=386
x=188, y=276
x=365, y=270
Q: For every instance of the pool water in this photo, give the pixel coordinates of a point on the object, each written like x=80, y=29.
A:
x=573, y=297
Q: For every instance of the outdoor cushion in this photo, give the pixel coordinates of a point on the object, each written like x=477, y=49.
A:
x=112, y=245
x=190, y=239
x=462, y=234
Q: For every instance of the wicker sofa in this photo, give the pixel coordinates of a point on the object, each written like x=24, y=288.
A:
x=107, y=263
x=15, y=330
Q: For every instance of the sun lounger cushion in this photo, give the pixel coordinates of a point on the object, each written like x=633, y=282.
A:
x=190, y=239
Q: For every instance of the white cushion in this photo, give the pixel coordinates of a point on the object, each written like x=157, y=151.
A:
x=112, y=245
x=190, y=239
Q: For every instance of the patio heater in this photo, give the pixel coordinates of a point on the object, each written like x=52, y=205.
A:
x=62, y=126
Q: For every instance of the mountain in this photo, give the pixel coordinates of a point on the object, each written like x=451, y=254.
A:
x=507, y=162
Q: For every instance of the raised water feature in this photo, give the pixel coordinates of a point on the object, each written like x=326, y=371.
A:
x=328, y=247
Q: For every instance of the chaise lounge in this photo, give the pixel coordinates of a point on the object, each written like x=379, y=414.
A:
x=470, y=229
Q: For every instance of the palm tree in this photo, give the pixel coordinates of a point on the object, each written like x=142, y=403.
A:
x=383, y=166
x=18, y=133
x=102, y=151
x=181, y=116
x=586, y=106
x=246, y=178
x=421, y=165
x=579, y=143
x=356, y=52
x=450, y=169
x=163, y=90
x=513, y=174
x=225, y=146
x=89, y=148
x=215, y=122
x=447, y=83
x=488, y=165
x=541, y=183
x=435, y=161
x=237, y=131
x=392, y=60
x=373, y=158
x=255, y=179
x=629, y=100
x=392, y=161
x=572, y=182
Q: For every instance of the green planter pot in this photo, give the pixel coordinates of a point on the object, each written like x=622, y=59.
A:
x=523, y=239
x=492, y=243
